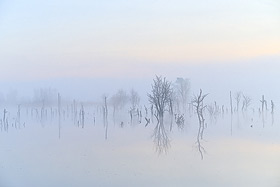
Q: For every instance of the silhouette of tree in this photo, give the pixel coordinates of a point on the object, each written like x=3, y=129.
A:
x=160, y=96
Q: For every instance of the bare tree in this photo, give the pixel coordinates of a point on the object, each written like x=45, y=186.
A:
x=180, y=120
x=160, y=96
x=214, y=111
x=82, y=116
x=134, y=99
x=272, y=112
x=59, y=113
x=5, y=120
x=272, y=107
x=237, y=98
x=198, y=104
x=119, y=100
x=182, y=88
x=45, y=96
x=246, y=102
x=18, y=117
x=199, y=107
x=264, y=103
x=171, y=107
x=231, y=108
x=105, y=115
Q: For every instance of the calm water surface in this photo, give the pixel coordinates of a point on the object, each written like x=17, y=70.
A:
x=244, y=152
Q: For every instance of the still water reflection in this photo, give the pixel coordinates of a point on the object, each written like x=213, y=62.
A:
x=241, y=152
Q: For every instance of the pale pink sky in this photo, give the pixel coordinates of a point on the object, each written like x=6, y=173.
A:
x=48, y=39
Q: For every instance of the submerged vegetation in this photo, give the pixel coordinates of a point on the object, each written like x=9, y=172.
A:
x=169, y=105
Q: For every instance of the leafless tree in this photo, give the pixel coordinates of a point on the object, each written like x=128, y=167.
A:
x=152, y=113
x=119, y=100
x=180, y=120
x=231, y=108
x=199, y=107
x=134, y=99
x=264, y=103
x=82, y=116
x=272, y=107
x=45, y=96
x=182, y=88
x=105, y=115
x=105, y=107
x=171, y=107
x=74, y=111
x=59, y=113
x=198, y=104
x=214, y=111
x=272, y=112
x=5, y=120
x=160, y=96
x=147, y=121
x=246, y=102
x=237, y=98
x=18, y=117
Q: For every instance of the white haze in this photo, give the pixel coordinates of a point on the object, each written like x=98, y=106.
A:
x=254, y=78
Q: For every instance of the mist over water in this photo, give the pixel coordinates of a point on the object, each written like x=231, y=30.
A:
x=139, y=93
x=75, y=142
x=254, y=77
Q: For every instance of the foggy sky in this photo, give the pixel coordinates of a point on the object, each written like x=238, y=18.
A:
x=44, y=40
x=85, y=49
x=254, y=78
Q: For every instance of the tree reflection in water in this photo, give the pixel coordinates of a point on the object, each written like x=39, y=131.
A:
x=198, y=104
x=161, y=139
